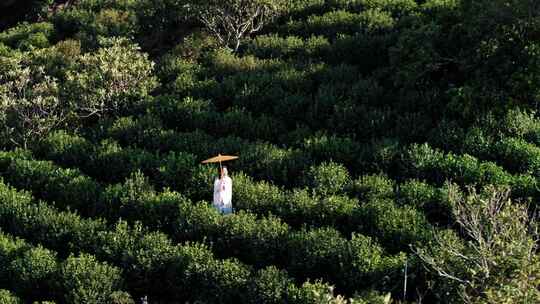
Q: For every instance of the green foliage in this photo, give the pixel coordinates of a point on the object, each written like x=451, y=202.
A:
x=65, y=187
x=342, y=22
x=111, y=80
x=87, y=281
x=497, y=261
x=29, y=36
x=32, y=272
x=65, y=148
x=269, y=286
x=433, y=201
x=357, y=124
x=328, y=178
x=290, y=47
x=30, y=105
x=8, y=298
x=368, y=187
x=395, y=227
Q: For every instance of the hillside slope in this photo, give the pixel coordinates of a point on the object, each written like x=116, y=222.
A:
x=389, y=151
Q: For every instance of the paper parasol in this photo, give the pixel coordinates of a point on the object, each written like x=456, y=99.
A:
x=219, y=158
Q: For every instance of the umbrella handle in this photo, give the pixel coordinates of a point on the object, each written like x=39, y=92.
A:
x=220, y=168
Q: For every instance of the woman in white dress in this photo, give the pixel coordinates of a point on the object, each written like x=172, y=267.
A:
x=223, y=192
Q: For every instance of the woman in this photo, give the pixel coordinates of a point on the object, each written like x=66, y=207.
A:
x=223, y=192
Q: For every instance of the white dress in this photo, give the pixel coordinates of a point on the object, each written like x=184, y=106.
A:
x=223, y=194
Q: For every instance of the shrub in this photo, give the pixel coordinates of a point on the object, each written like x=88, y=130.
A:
x=522, y=124
x=352, y=265
x=225, y=63
x=394, y=227
x=397, y=8
x=112, y=163
x=153, y=265
x=332, y=23
x=7, y=297
x=340, y=149
x=368, y=187
x=67, y=149
x=175, y=170
x=273, y=46
x=257, y=197
x=158, y=21
x=84, y=280
x=269, y=286
x=434, y=202
x=196, y=222
x=311, y=293
x=517, y=156
x=255, y=241
x=289, y=47
x=426, y=163
x=314, y=254
x=369, y=266
x=114, y=22
x=206, y=279
x=126, y=200
x=28, y=36
x=243, y=235
x=9, y=249
x=201, y=177
x=120, y=297
x=66, y=187
x=327, y=178
x=32, y=273
x=129, y=130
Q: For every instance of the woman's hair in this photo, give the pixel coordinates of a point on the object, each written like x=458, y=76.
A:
x=224, y=170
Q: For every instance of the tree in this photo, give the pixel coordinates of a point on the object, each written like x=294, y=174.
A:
x=231, y=20
x=33, y=103
x=112, y=79
x=29, y=102
x=498, y=261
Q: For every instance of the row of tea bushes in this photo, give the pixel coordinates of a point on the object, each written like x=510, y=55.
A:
x=152, y=265
x=514, y=153
x=295, y=207
x=260, y=160
x=331, y=24
x=37, y=273
x=424, y=162
x=262, y=242
x=177, y=168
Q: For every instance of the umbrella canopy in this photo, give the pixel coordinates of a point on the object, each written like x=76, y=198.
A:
x=220, y=158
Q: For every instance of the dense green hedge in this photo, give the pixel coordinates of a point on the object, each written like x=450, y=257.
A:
x=327, y=106
x=297, y=207
x=151, y=263
x=515, y=151
x=261, y=160
x=36, y=273
x=424, y=162
x=265, y=241
x=341, y=22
